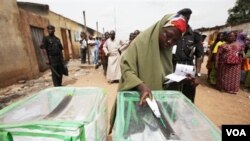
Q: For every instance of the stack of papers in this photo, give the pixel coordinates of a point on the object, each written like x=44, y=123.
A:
x=181, y=71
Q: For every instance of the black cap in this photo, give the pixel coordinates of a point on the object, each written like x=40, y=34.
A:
x=50, y=27
x=185, y=11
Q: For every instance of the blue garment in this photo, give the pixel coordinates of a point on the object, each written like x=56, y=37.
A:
x=96, y=52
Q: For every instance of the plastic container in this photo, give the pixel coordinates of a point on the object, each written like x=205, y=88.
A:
x=135, y=123
x=57, y=114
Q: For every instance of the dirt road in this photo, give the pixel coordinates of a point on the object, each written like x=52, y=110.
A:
x=221, y=108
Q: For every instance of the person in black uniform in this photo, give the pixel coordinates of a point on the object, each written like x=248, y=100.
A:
x=52, y=48
x=189, y=47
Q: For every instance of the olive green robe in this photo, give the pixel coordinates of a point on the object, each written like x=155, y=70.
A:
x=145, y=62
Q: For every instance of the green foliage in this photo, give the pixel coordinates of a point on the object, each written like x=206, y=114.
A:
x=239, y=13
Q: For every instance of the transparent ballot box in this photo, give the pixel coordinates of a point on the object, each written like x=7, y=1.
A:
x=182, y=119
x=57, y=114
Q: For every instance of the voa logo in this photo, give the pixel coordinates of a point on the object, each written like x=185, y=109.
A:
x=236, y=132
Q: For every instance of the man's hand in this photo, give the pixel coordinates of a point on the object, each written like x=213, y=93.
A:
x=193, y=81
x=145, y=92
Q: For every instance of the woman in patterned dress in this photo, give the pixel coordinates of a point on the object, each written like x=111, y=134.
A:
x=229, y=58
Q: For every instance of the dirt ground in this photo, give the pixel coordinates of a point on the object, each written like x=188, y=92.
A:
x=221, y=108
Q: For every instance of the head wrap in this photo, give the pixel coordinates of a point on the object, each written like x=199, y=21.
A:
x=177, y=21
x=241, y=38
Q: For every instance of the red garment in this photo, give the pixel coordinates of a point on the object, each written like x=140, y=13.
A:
x=101, y=51
x=228, y=74
x=180, y=24
x=177, y=21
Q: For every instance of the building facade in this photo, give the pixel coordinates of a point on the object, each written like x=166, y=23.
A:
x=23, y=26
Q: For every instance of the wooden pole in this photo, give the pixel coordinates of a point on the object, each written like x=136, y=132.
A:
x=97, y=35
x=85, y=27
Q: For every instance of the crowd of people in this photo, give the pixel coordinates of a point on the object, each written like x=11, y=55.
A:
x=228, y=57
x=143, y=62
x=106, y=52
x=228, y=61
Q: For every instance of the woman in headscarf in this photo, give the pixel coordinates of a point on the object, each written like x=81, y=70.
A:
x=241, y=39
x=212, y=58
x=149, y=57
x=228, y=65
x=246, y=64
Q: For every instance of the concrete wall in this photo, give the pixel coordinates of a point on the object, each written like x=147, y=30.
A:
x=75, y=29
x=39, y=9
x=245, y=27
x=18, y=55
x=14, y=55
x=61, y=22
x=29, y=19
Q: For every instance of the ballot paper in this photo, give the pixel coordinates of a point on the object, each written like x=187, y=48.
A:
x=181, y=71
x=174, y=49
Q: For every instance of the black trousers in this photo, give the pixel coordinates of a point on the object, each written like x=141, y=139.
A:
x=56, y=67
x=185, y=87
x=83, y=55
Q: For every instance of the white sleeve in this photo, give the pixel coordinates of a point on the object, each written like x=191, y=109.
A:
x=84, y=43
x=124, y=47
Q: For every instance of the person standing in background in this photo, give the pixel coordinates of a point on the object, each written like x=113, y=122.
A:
x=102, y=55
x=110, y=48
x=199, y=53
x=246, y=64
x=188, y=48
x=241, y=39
x=96, y=52
x=205, y=44
x=126, y=44
x=228, y=64
x=91, y=45
x=218, y=42
x=52, y=48
x=83, y=47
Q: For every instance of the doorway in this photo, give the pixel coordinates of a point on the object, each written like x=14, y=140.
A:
x=67, y=44
x=37, y=37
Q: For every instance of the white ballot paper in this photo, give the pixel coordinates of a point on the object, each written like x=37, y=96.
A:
x=174, y=49
x=181, y=71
